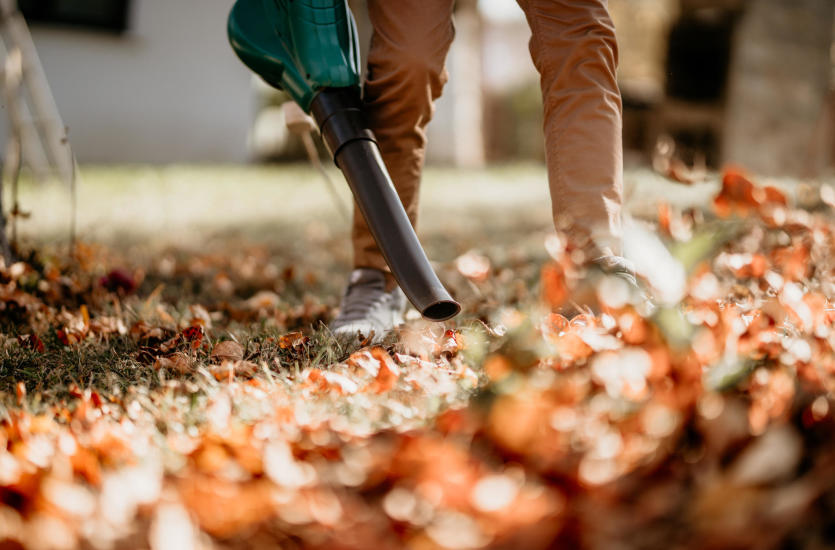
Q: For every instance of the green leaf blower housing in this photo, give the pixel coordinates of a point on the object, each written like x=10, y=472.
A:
x=309, y=49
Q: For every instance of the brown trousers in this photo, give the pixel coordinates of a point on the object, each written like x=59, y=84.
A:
x=574, y=49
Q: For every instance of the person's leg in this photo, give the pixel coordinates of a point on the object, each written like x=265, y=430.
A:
x=574, y=49
x=406, y=74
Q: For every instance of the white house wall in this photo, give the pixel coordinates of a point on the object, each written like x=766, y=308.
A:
x=169, y=90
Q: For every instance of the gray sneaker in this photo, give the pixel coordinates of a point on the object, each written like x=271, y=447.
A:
x=618, y=266
x=366, y=306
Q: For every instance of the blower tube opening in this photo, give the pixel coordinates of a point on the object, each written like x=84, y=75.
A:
x=441, y=311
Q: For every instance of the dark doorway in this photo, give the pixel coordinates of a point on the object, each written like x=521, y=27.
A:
x=103, y=15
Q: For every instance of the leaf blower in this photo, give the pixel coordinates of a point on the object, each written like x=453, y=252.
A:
x=310, y=49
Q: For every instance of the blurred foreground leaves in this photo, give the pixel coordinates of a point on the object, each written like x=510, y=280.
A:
x=577, y=415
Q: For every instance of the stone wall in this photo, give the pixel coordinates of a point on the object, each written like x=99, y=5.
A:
x=776, y=122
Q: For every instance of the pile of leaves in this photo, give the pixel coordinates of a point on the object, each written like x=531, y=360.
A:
x=692, y=412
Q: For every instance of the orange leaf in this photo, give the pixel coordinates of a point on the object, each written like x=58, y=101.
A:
x=194, y=335
x=793, y=261
x=387, y=374
x=664, y=217
x=739, y=195
x=293, y=340
x=20, y=390
x=554, y=287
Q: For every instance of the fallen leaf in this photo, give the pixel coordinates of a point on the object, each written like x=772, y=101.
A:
x=178, y=362
x=473, y=266
x=228, y=350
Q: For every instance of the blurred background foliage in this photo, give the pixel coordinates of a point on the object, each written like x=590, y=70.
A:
x=716, y=81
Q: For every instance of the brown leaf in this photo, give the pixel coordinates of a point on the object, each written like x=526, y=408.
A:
x=228, y=350
x=31, y=341
x=264, y=299
x=178, y=362
x=230, y=369
x=141, y=330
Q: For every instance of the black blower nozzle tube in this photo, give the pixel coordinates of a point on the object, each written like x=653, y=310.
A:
x=338, y=112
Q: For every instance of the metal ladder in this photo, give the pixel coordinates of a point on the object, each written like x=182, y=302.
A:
x=34, y=121
x=37, y=136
